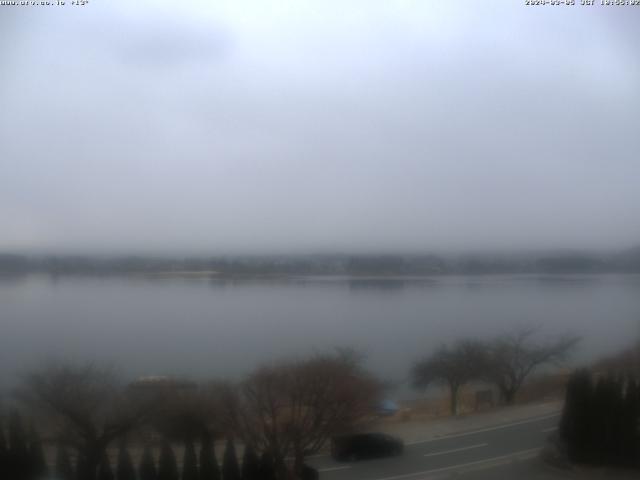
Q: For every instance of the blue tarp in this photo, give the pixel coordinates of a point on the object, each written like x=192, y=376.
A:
x=388, y=407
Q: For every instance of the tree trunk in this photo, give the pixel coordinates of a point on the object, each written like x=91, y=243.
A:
x=454, y=399
x=508, y=395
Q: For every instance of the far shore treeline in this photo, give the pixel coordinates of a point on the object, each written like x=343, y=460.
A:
x=551, y=262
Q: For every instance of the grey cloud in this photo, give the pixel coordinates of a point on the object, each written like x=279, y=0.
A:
x=388, y=127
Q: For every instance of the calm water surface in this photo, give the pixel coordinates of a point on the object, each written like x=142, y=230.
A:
x=210, y=328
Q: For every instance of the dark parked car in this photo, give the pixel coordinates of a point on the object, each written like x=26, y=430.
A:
x=362, y=446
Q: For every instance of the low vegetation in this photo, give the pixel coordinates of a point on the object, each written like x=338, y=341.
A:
x=282, y=411
x=278, y=415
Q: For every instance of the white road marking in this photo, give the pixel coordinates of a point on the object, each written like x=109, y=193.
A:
x=444, y=452
x=464, y=465
x=332, y=469
x=489, y=429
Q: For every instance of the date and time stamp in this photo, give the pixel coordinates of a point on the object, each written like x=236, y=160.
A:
x=529, y=3
x=44, y=3
x=583, y=3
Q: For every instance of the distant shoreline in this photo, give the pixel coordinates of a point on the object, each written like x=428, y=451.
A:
x=350, y=265
x=386, y=280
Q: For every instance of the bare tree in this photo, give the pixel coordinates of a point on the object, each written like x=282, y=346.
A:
x=451, y=366
x=511, y=358
x=293, y=408
x=87, y=407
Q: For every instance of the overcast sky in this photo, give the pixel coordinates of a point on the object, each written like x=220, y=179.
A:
x=242, y=126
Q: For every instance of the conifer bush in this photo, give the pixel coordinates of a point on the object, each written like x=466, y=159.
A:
x=63, y=468
x=190, y=462
x=167, y=465
x=230, y=467
x=148, y=465
x=209, y=469
x=250, y=464
x=18, y=451
x=104, y=469
x=267, y=467
x=125, y=469
x=600, y=420
x=4, y=452
x=37, y=463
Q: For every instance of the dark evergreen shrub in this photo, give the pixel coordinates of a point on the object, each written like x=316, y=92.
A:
x=37, y=463
x=18, y=452
x=167, y=466
x=617, y=421
x=267, y=467
x=82, y=468
x=125, y=469
x=230, y=468
x=4, y=453
x=600, y=423
x=104, y=469
x=250, y=464
x=606, y=422
x=575, y=422
x=631, y=424
x=209, y=469
x=63, y=469
x=189, y=462
x=148, y=466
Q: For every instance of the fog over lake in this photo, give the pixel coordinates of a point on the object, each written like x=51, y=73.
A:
x=205, y=328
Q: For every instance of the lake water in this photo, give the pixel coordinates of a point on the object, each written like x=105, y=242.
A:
x=211, y=328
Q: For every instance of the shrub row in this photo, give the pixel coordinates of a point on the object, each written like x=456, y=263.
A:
x=600, y=421
x=22, y=458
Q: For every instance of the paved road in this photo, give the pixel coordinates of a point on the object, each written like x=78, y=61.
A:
x=453, y=453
